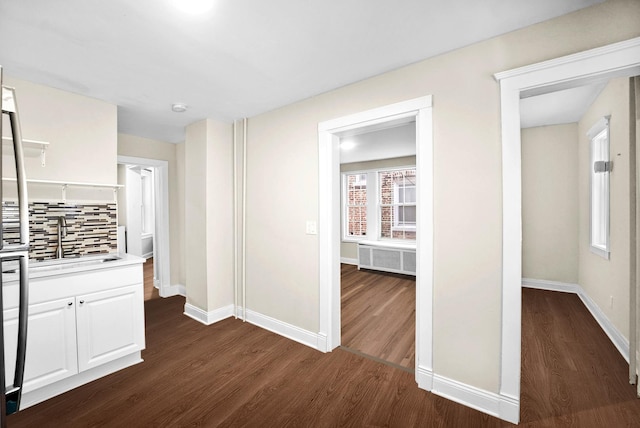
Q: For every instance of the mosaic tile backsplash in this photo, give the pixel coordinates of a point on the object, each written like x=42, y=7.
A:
x=91, y=228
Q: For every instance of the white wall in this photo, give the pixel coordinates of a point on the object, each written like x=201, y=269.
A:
x=134, y=202
x=134, y=146
x=600, y=278
x=283, y=182
x=82, y=133
x=550, y=203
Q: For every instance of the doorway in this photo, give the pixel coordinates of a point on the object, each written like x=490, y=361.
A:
x=329, y=134
x=571, y=71
x=378, y=212
x=161, y=244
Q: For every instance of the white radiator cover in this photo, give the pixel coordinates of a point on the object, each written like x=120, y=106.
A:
x=397, y=257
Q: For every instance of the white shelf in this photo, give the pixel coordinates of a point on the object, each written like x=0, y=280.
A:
x=29, y=142
x=65, y=184
x=42, y=145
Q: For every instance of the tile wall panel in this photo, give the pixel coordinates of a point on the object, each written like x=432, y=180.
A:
x=91, y=228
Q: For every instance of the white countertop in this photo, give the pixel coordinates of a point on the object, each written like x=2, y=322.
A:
x=54, y=267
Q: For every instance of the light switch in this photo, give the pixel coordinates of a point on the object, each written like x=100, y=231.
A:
x=312, y=227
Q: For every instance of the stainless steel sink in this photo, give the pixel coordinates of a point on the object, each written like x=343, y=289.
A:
x=61, y=264
x=71, y=263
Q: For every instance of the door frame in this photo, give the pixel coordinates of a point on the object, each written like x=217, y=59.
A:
x=618, y=59
x=162, y=247
x=329, y=133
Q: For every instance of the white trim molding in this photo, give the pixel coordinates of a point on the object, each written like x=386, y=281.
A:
x=208, y=318
x=418, y=110
x=297, y=334
x=349, y=261
x=175, y=290
x=161, y=245
x=500, y=406
x=617, y=59
x=619, y=341
x=543, y=284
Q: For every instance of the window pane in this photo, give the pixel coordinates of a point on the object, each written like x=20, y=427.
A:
x=356, y=209
x=386, y=220
x=599, y=191
x=397, y=198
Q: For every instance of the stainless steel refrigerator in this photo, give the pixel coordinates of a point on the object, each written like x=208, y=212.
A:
x=15, y=253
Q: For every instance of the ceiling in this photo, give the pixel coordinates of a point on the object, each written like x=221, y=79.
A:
x=383, y=143
x=555, y=108
x=243, y=57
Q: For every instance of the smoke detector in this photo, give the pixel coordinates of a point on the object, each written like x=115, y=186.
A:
x=179, y=107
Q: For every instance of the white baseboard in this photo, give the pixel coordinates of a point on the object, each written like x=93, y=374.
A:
x=31, y=398
x=542, y=284
x=348, y=261
x=503, y=407
x=424, y=378
x=619, y=341
x=174, y=290
x=208, y=318
x=305, y=337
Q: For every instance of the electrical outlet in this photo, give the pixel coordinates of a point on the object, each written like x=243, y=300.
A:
x=312, y=227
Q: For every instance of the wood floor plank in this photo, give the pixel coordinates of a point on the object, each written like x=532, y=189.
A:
x=150, y=291
x=234, y=374
x=378, y=314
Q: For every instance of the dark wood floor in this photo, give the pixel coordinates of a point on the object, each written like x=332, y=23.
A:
x=378, y=314
x=572, y=375
x=235, y=374
x=150, y=291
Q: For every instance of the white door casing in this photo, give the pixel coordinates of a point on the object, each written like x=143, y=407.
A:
x=618, y=59
x=329, y=132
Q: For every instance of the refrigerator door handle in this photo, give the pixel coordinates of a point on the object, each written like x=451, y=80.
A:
x=13, y=395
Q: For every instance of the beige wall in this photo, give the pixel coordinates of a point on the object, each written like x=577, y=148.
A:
x=283, y=182
x=209, y=215
x=196, y=214
x=219, y=214
x=82, y=133
x=550, y=203
x=130, y=145
x=179, y=243
x=349, y=250
x=605, y=279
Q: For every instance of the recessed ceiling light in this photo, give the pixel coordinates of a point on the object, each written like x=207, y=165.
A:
x=194, y=7
x=179, y=107
x=347, y=145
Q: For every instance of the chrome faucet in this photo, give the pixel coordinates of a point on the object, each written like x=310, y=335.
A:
x=62, y=232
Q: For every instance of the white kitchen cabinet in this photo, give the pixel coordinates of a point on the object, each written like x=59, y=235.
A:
x=86, y=320
x=51, y=343
x=110, y=325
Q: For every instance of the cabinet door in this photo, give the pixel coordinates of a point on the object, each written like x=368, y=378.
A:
x=51, y=343
x=110, y=325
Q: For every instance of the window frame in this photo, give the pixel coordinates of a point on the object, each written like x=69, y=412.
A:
x=396, y=226
x=602, y=194
x=373, y=206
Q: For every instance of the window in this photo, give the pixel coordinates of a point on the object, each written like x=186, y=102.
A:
x=398, y=204
x=356, y=205
x=147, y=208
x=600, y=170
x=379, y=204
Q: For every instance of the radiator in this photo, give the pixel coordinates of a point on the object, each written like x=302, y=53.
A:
x=387, y=256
